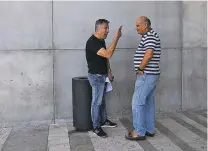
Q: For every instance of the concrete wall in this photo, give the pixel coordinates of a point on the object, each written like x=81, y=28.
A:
x=42, y=48
x=194, y=52
x=26, y=61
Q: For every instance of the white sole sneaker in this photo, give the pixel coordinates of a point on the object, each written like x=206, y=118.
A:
x=100, y=136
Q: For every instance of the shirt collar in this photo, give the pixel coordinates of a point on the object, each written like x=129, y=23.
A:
x=147, y=32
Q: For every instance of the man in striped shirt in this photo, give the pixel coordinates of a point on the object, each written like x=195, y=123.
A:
x=146, y=63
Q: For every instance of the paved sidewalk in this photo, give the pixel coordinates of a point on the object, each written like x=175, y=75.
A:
x=185, y=131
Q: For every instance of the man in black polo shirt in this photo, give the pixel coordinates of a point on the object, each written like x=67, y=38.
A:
x=98, y=69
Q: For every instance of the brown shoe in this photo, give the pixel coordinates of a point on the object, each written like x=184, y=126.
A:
x=134, y=136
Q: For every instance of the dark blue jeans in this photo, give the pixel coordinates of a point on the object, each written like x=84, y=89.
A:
x=98, y=108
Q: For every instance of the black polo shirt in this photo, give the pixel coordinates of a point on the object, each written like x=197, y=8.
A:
x=96, y=64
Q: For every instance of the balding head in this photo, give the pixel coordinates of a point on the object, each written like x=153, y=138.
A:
x=143, y=24
x=144, y=20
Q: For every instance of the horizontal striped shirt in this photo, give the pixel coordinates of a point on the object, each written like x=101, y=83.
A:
x=149, y=40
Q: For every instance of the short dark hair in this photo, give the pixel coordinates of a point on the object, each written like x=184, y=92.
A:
x=99, y=22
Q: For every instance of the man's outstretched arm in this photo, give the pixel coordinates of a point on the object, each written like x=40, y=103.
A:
x=107, y=53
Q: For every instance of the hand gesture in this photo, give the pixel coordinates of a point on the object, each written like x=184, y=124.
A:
x=118, y=32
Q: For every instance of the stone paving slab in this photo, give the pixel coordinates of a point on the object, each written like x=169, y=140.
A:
x=174, y=132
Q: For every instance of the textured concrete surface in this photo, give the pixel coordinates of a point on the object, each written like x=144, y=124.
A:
x=168, y=23
x=161, y=142
x=53, y=40
x=26, y=86
x=186, y=135
x=168, y=93
x=27, y=138
x=58, y=138
x=195, y=24
x=80, y=141
x=194, y=78
x=174, y=132
x=115, y=141
x=4, y=133
x=69, y=64
x=160, y=13
x=70, y=34
x=25, y=25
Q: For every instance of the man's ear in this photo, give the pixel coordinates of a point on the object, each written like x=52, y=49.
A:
x=145, y=25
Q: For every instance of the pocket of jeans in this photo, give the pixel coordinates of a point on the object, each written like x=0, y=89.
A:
x=139, y=81
x=99, y=79
x=141, y=77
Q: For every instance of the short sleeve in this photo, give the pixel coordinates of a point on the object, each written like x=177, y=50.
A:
x=150, y=42
x=94, y=45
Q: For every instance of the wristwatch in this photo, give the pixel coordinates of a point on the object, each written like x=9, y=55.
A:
x=139, y=69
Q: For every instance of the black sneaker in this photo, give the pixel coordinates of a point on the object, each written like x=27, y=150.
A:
x=149, y=134
x=108, y=123
x=99, y=131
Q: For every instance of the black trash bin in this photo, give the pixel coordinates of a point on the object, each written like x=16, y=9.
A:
x=81, y=101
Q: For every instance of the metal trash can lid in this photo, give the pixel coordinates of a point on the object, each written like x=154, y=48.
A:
x=80, y=78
